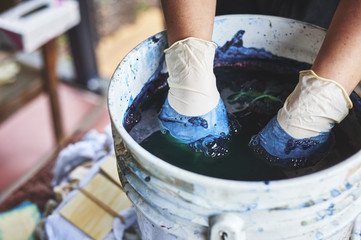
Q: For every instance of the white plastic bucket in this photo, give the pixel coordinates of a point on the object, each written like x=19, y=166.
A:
x=173, y=203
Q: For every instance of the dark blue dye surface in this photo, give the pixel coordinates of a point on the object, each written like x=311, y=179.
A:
x=253, y=85
x=248, y=117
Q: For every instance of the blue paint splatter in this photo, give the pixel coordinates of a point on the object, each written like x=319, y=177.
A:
x=252, y=206
x=154, y=39
x=348, y=185
x=308, y=204
x=319, y=236
x=335, y=193
x=326, y=212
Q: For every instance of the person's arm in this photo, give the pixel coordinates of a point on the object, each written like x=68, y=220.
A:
x=193, y=109
x=321, y=97
x=340, y=55
x=189, y=18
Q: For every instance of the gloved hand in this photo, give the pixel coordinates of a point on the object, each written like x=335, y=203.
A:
x=302, y=126
x=193, y=109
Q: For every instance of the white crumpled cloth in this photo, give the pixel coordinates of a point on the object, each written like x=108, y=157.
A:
x=93, y=147
x=96, y=147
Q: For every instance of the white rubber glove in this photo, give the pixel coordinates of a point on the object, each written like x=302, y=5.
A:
x=193, y=111
x=192, y=83
x=314, y=106
x=302, y=126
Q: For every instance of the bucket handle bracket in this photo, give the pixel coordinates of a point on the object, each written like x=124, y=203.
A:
x=227, y=226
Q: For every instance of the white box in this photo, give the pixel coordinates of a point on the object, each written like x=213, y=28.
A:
x=31, y=24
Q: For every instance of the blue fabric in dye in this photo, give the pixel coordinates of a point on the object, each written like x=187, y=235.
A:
x=189, y=129
x=284, y=149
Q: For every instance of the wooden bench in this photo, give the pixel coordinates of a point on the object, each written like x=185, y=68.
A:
x=29, y=26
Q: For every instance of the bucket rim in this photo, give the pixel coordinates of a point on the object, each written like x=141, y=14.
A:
x=354, y=161
x=268, y=17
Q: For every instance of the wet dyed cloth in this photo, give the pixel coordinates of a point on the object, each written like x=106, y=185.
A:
x=303, y=125
x=189, y=129
x=278, y=148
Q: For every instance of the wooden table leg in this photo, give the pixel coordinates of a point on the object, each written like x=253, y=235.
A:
x=49, y=51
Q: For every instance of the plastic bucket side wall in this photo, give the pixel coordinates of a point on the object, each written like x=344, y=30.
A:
x=176, y=196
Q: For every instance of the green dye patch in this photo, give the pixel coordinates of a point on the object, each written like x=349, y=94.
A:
x=252, y=98
x=239, y=164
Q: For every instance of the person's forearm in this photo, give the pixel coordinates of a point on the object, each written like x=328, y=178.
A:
x=339, y=58
x=189, y=18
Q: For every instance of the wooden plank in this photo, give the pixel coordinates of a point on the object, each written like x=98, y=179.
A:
x=109, y=167
x=88, y=216
x=108, y=193
x=93, y=209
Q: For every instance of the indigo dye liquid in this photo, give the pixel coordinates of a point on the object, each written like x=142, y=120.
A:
x=252, y=91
